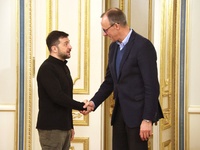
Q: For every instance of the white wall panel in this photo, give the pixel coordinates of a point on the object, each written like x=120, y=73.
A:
x=194, y=131
x=7, y=130
x=8, y=74
x=139, y=19
x=8, y=52
x=193, y=73
x=193, y=51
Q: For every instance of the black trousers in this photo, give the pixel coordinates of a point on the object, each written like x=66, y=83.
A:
x=125, y=138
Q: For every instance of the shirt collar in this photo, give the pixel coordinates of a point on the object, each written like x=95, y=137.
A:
x=125, y=41
x=54, y=59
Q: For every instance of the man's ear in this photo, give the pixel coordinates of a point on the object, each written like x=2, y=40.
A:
x=54, y=48
x=117, y=26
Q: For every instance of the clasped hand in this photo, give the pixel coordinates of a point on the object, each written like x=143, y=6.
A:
x=89, y=105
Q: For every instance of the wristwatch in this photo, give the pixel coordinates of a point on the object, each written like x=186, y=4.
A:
x=148, y=121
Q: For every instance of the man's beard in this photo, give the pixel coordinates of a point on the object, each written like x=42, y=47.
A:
x=62, y=55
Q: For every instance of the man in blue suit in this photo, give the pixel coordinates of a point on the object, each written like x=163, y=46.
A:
x=132, y=75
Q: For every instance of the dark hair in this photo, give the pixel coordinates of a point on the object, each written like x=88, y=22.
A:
x=53, y=38
x=115, y=15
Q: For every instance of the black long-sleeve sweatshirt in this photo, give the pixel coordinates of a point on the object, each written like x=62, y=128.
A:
x=55, y=91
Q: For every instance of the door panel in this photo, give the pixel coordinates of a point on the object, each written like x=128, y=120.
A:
x=9, y=70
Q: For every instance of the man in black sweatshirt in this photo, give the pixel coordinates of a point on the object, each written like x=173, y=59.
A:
x=55, y=90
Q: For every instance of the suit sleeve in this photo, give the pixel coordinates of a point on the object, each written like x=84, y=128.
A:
x=107, y=86
x=148, y=66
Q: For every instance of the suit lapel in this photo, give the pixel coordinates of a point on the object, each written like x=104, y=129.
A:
x=127, y=50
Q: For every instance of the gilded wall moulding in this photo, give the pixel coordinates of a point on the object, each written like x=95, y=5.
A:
x=80, y=119
x=80, y=143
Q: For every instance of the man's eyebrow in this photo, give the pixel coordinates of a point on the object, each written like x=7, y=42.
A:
x=67, y=41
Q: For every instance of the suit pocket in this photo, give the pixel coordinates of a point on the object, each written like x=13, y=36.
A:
x=139, y=97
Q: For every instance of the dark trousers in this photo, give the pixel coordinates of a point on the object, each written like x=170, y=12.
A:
x=125, y=138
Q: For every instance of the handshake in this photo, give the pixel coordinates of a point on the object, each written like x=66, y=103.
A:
x=90, y=107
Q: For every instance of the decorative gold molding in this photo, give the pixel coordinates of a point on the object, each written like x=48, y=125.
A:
x=129, y=12
x=48, y=20
x=49, y=16
x=164, y=57
x=187, y=119
x=166, y=144
x=52, y=15
x=16, y=138
x=80, y=119
x=121, y=5
x=150, y=143
x=150, y=22
x=85, y=89
x=107, y=4
x=177, y=64
x=109, y=99
x=80, y=140
x=56, y=14
x=166, y=122
x=28, y=75
x=169, y=73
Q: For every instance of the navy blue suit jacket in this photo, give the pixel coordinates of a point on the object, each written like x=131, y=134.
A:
x=136, y=90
